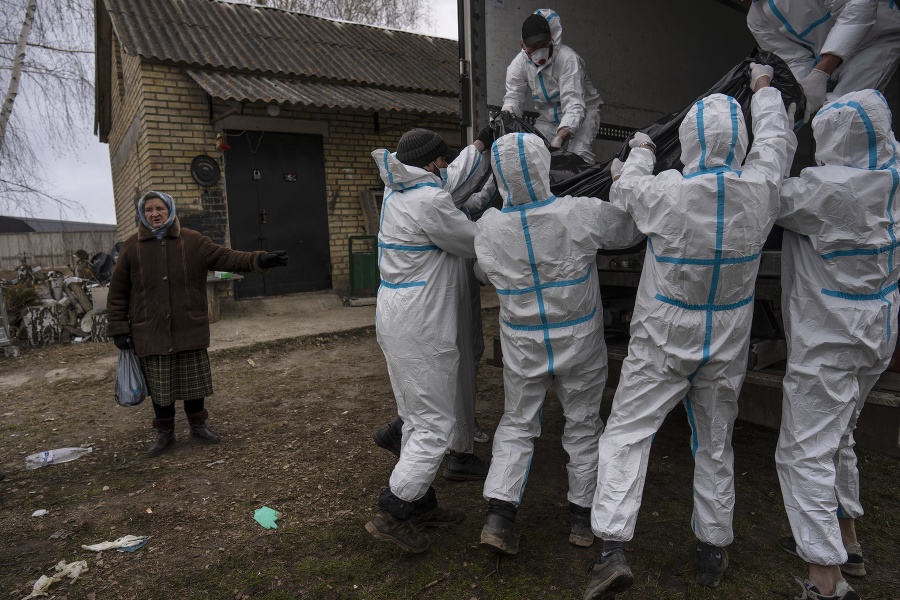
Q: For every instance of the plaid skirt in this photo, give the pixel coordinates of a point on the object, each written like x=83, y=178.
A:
x=180, y=376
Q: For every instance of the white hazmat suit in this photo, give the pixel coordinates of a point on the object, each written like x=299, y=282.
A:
x=420, y=241
x=840, y=267
x=691, y=322
x=865, y=34
x=540, y=252
x=560, y=90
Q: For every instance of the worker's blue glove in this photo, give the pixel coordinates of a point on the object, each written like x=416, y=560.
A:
x=814, y=88
x=641, y=140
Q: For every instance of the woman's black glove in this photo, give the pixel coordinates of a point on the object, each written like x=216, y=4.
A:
x=486, y=137
x=123, y=341
x=278, y=258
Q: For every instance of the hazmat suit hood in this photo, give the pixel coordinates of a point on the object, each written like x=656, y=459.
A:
x=397, y=175
x=555, y=34
x=713, y=135
x=855, y=131
x=521, y=163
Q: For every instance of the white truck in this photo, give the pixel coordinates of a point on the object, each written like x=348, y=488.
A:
x=650, y=58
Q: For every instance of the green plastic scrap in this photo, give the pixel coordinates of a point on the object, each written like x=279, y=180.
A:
x=265, y=516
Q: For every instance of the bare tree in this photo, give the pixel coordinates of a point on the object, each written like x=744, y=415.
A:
x=46, y=75
x=408, y=15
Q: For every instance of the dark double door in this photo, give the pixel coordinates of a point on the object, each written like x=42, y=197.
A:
x=276, y=201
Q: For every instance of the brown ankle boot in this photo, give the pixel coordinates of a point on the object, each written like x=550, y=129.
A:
x=199, y=429
x=165, y=436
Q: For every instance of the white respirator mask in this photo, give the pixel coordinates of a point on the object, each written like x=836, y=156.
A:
x=540, y=56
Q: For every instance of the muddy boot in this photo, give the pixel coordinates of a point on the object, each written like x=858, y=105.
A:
x=498, y=533
x=385, y=527
x=393, y=523
x=465, y=467
x=199, y=429
x=427, y=513
x=165, y=436
x=581, y=534
x=610, y=576
x=390, y=436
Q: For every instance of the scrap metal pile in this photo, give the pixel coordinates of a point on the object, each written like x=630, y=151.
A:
x=44, y=306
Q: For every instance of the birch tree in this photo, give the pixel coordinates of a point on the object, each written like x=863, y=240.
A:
x=46, y=79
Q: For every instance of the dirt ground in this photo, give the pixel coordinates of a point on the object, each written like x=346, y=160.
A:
x=296, y=418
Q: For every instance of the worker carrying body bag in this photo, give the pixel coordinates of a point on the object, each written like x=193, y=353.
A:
x=131, y=389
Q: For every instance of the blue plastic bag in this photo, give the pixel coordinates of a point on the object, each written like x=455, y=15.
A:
x=131, y=389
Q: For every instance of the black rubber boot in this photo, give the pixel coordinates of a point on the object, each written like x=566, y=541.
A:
x=581, y=534
x=165, y=436
x=390, y=436
x=498, y=534
x=465, y=467
x=199, y=429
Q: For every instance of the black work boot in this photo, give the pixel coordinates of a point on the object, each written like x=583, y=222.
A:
x=385, y=527
x=498, y=533
x=165, y=436
x=609, y=576
x=390, y=436
x=427, y=513
x=711, y=563
x=581, y=534
x=393, y=523
x=465, y=467
x=199, y=429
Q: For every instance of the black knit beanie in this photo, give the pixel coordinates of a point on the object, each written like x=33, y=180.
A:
x=418, y=147
x=535, y=29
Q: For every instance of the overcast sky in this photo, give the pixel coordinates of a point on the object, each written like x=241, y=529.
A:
x=82, y=174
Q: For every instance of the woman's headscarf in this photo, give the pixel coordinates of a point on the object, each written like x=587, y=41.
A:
x=168, y=201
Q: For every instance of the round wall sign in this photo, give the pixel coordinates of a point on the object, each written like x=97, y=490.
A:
x=205, y=170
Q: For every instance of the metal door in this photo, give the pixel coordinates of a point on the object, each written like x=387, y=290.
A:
x=276, y=201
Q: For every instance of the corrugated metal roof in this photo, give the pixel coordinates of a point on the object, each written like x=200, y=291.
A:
x=267, y=88
x=249, y=38
x=29, y=224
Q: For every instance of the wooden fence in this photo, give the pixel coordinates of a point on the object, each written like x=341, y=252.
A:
x=51, y=249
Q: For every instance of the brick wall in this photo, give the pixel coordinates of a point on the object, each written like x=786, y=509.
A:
x=161, y=121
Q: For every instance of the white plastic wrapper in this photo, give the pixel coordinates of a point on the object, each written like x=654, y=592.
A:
x=131, y=389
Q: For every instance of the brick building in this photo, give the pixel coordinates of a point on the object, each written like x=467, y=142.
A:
x=260, y=123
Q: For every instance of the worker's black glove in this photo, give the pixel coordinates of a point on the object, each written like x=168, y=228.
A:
x=123, y=341
x=486, y=137
x=269, y=260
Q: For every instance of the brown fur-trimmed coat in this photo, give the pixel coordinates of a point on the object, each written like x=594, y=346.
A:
x=158, y=289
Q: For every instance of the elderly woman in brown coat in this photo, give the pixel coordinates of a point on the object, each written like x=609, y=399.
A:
x=157, y=306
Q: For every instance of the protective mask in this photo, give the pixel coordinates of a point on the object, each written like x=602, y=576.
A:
x=540, y=56
x=442, y=173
